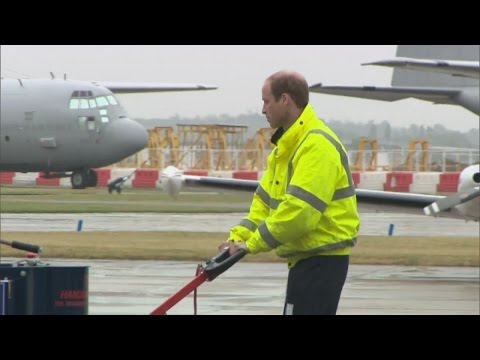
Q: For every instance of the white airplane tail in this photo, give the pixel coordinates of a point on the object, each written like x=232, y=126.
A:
x=409, y=78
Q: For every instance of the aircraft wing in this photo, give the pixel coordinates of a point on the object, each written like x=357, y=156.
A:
x=388, y=201
x=436, y=95
x=470, y=69
x=130, y=88
x=220, y=183
x=368, y=200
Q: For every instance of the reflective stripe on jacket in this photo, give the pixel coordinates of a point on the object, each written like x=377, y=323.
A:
x=305, y=204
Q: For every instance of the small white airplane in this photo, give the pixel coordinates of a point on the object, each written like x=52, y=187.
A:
x=463, y=205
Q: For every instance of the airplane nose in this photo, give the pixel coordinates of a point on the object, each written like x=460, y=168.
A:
x=128, y=136
x=137, y=136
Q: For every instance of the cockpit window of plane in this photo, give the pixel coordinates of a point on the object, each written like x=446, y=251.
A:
x=86, y=123
x=82, y=100
x=84, y=104
x=112, y=100
x=101, y=101
x=90, y=123
x=74, y=104
x=86, y=100
x=104, y=115
x=82, y=122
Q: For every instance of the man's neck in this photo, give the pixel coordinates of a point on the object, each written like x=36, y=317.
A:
x=295, y=114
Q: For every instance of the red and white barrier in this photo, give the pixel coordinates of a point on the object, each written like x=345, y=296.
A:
x=421, y=182
x=448, y=182
x=372, y=180
x=425, y=183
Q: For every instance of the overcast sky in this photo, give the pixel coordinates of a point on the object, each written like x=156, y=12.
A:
x=239, y=72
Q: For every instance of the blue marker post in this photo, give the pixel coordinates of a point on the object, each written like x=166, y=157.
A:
x=390, y=229
x=80, y=224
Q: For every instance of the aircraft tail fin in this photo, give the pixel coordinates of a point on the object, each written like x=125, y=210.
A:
x=410, y=78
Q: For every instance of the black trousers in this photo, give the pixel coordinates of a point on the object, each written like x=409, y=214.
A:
x=315, y=285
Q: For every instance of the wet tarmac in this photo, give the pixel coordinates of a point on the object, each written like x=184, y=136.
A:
x=138, y=287
x=122, y=287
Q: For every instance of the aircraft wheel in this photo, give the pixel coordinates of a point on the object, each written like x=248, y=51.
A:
x=79, y=179
x=92, y=178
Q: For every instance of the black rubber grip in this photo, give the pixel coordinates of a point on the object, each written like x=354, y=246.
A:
x=222, y=262
x=26, y=247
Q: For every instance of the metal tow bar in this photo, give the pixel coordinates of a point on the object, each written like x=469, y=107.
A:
x=213, y=268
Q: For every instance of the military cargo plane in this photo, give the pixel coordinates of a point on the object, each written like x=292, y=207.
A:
x=66, y=128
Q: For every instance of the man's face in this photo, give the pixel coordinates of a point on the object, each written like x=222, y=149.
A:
x=275, y=111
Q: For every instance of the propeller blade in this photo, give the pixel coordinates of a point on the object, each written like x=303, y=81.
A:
x=451, y=201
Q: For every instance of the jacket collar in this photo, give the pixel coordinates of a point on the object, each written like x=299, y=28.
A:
x=286, y=140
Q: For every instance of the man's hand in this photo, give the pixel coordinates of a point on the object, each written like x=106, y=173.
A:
x=232, y=246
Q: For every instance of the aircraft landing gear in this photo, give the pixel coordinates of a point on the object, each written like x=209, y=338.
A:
x=83, y=178
x=93, y=178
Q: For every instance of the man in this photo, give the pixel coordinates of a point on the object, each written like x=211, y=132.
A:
x=305, y=206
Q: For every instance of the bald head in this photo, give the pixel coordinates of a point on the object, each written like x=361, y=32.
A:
x=292, y=83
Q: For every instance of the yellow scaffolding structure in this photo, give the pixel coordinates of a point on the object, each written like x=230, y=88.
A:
x=424, y=164
x=256, y=150
x=358, y=165
x=161, y=139
x=211, y=144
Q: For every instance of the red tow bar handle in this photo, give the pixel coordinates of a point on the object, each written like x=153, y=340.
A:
x=214, y=267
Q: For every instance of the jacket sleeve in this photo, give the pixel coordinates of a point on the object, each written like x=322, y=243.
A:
x=259, y=210
x=315, y=168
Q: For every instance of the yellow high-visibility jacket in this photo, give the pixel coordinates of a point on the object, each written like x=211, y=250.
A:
x=305, y=204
